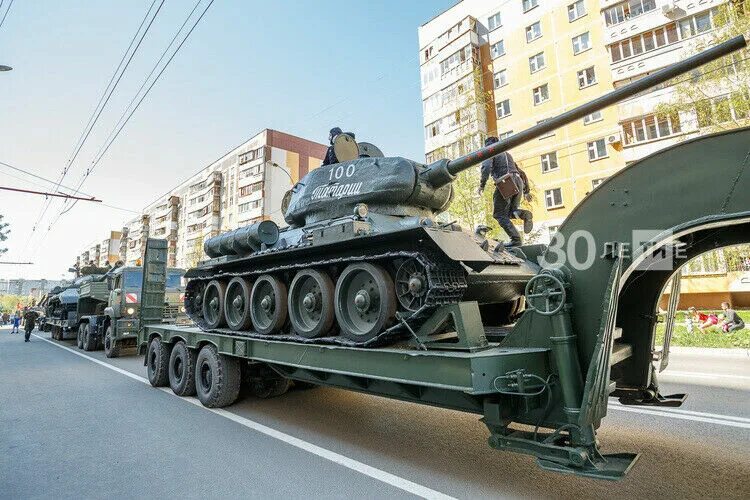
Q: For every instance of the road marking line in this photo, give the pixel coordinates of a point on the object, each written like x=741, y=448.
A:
x=688, y=412
x=717, y=421
x=704, y=375
x=350, y=463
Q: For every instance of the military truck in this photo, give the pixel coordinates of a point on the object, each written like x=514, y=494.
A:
x=61, y=307
x=108, y=309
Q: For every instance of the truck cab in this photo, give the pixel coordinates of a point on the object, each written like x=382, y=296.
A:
x=116, y=327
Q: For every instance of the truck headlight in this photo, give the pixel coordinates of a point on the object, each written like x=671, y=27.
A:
x=130, y=310
x=182, y=309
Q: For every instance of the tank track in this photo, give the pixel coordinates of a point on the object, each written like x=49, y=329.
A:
x=446, y=280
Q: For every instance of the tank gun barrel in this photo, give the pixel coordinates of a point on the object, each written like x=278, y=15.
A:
x=437, y=171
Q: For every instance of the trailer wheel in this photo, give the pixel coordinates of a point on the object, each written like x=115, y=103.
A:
x=157, y=362
x=182, y=370
x=111, y=347
x=89, y=343
x=79, y=338
x=217, y=378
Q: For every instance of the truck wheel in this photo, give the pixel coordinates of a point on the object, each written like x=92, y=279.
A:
x=182, y=370
x=89, y=343
x=217, y=378
x=111, y=347
x=157, y=362
x=79, y=339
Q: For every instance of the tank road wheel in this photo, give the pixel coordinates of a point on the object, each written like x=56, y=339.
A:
x=79, y=339
x=365, y=301
x=111, y=347
x=157, y=362
x=89, y=343
x=411, y=284
x=182, y=370
x=311, y=303
x=213, y=304
x=237, y=304
x=268, y=304
x=217, y=378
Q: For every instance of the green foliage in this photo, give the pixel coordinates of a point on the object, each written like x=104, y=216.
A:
x=4, y=231
x=718, y=92
x=8, y=303
x=196, y=252
x=711, y=337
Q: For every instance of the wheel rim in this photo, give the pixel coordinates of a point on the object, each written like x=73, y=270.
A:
x=178, y=370
x=311, y=303
x=411, y=284
x=363, y=305
x=237, y=304
x=268, y=307
x=206, y=377
x=213, y=304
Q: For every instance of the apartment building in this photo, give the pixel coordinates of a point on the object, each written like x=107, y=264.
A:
x=643, y=36
x=536, y=60
x=243, y=186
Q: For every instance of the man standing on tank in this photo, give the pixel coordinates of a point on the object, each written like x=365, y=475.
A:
x=331, y=154
x=506, y=209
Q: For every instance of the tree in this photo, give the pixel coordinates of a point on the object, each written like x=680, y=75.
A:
x=717, y=94
x=4, y=231
x=196, y=252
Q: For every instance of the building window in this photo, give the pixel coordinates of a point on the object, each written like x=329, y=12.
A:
x=456, y=59
x=249, y=172
x=432, y=130
x=586, y=77
x=727, y=108
x=246, y=207
x=548, y=134
x=529, y=4
x=645, y=42
x=581, y=43
x=252, y=188
x=628, y=10
x=576, y=10
x=505, y=135
x=593, y=117
x=549, y=162
x=494, y=21
x=536, y=62
x=553, y=198
x=533, y=32
x=695, y=25
x=501, y=78
x=595, y=182
x=649, y=128
x=597, y=150
x=503, y=108
x=541, y=94
x=497, y=49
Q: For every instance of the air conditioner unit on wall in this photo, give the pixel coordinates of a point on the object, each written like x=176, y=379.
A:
x=615, y=138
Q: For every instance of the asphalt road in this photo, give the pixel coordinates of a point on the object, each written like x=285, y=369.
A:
x=74, y=428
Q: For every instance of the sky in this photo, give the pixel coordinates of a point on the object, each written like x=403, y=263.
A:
x=296, y=66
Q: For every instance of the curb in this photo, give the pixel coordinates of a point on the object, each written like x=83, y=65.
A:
x=712, y=351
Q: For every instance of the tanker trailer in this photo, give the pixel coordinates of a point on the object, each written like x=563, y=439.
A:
x=366, y=291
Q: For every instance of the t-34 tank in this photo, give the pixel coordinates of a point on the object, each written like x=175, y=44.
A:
x=363, y=259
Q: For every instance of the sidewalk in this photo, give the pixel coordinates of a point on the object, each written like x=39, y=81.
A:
x=710, y=351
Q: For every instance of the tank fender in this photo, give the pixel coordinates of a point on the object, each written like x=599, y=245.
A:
x=459, y=246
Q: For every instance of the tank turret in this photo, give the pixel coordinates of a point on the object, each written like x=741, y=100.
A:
x=363, y=261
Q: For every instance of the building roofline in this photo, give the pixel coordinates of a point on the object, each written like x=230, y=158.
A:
x=439, y=14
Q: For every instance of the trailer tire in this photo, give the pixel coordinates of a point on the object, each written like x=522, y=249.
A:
x=157, y=362
x=111, y=347
x=182, y=370
x=89, y=343
x=217, y=378
x=79, y=338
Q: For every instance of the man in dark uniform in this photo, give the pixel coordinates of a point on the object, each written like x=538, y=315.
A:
x=330, y=154
x=29, y=318
x=506, y=209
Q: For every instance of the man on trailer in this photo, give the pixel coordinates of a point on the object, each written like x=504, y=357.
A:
x=506, y=208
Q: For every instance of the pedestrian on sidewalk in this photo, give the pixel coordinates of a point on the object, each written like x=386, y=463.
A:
x=29, y=321
x=732, y=321
x=16, y=322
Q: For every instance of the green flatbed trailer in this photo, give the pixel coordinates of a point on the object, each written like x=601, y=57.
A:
x=542, y=384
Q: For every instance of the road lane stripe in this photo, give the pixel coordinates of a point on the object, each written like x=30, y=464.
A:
x=687, y=412
x=694, y=418
x=367, y=470
x=704, y=375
